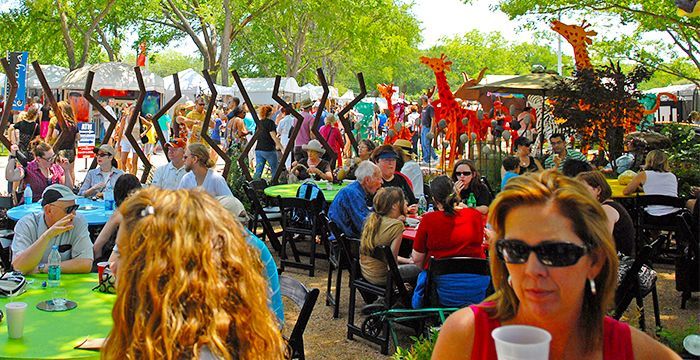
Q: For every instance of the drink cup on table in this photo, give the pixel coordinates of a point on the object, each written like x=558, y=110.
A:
x=101, y=269
x=521, y=342
x=59, y=298
x=15, y=319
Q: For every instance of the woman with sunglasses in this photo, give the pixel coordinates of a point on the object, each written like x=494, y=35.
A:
x=41, y=172
x=105, y=173
x=450, y=231
x=468, y=181
x=365, y=147
x=557, y=273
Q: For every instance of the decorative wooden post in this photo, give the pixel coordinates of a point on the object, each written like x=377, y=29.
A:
x=243, y=158
x=207, y=119
x=317, y=120
x=87, y=94
x=132, y=122
x=295, y=130
x=49, y=94
x=347, y=125
x=163, y=110
x=11, y=93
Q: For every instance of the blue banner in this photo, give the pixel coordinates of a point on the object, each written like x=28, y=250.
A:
x=18, y=62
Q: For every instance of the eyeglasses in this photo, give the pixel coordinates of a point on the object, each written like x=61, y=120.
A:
x=103, y=155
x=69, y=209
x=49, y=159
x=549, y=253
x=463, y=173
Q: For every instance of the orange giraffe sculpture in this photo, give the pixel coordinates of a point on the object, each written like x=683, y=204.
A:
x=579, y=37
x=386, y=91
x=457, y=120
x=463, y=92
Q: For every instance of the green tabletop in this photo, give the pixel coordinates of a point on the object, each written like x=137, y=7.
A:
x=52, y=335
x=290, y=190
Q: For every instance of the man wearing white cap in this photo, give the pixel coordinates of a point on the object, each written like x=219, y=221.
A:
x=58, y=224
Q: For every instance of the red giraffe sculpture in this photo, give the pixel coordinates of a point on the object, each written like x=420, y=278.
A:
x=451, y=116
x=386, y=91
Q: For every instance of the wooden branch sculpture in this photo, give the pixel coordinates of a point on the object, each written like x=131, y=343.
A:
x=317, y=120
x=295, y=130
x=54, y=105
x=163, y=110
x=207, y=120
x=243, y=158
x=132, y=122
x=11, y=93
x=347, y=125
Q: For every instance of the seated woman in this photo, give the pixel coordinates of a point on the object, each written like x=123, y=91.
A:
x=467, y=181
x=656, y=179
x=448, y=232
x=388, y=159
x=105, y=173
x=124, y=187
x=565, y=287
x=40, y=172
x=385, y=226
x=620, y=222
x=364, y=151
x=316, y=167
x=189, y=286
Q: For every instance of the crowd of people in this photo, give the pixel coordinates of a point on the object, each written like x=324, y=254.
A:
x=187, y=213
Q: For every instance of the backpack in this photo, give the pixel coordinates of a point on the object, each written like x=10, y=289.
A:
x=310, y=191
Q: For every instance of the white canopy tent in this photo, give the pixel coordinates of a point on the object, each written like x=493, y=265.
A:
x=684, y=91
x=192, y=83
x=113, y=75
x=260, y=90
x=347, y=97
x=54, y=76
x=314, y=92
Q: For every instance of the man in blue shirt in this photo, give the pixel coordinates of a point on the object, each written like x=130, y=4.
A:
x=349, y=208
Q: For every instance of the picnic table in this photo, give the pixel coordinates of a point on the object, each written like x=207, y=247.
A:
x=290, y=190
x=617, y=188
x=55, y=334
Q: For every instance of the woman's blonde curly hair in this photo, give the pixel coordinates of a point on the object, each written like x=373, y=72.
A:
x=188, y=280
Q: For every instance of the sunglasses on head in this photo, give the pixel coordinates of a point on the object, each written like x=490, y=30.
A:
x=549, y=253
x=463, y=173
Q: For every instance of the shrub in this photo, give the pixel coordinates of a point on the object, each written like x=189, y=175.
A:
x=421, y=349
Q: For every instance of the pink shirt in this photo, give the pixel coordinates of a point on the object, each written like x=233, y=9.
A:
x=304, y=134
x=38, y=182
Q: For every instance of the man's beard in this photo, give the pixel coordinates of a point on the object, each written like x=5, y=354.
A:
x=188, y=167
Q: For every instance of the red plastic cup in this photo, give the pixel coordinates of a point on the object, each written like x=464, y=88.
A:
x=100, y=269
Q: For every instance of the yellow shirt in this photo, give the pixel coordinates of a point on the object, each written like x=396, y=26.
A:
x=196, y=130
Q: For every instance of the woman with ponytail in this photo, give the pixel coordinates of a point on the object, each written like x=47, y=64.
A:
x=199, y=166
x=385, y=227
x=449, y=231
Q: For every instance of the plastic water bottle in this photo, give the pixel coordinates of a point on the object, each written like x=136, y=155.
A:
x=28, y=195
x=471, y=202
x=108, y=195
x=422, y=205
x=54, y=267
x=430, y=208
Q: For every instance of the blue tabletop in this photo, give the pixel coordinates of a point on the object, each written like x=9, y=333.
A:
x=92, y=210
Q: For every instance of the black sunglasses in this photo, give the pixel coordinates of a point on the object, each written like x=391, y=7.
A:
x=103, y=155
x=549, y=253
x=72, y=208
x=463, y=173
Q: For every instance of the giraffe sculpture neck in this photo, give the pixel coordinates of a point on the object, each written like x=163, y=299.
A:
x=583, y=61
x=443, y=87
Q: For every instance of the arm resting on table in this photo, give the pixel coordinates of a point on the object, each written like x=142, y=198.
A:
x=76, y=266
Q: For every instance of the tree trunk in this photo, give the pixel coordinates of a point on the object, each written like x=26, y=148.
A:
x=226, y=43
x=67, y=40
x=615, y=139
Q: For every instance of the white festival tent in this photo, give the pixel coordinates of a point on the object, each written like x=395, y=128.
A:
x=112, y=75
x=684, y=92
x=260, y=90
x=314, y=92
x=54, y=76
x=347, y=97
x=192, y=83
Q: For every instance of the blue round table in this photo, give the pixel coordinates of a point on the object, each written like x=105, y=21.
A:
x=92, y=210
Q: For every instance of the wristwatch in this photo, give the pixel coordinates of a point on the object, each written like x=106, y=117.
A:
x=41, y=268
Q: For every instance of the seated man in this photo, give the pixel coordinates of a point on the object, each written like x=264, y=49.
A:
x=57, y=224
x=560, y=153
x=349, y=208
x=169, y=175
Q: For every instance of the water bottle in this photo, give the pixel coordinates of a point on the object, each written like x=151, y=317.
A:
x=108, y=195
x=28, y=195
x=471, y=202
x=54, y=267
x=422, y=205
x=430, y=208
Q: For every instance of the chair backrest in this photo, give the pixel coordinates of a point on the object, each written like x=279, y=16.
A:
x=451, y=265
x=394, y=279
x=6, y=254
x=252, y=195
x=349, y=248
x=485, y=181
x=305, y=299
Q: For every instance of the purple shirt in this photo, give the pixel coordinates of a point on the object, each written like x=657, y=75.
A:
x=37, y=181
x=304, y=135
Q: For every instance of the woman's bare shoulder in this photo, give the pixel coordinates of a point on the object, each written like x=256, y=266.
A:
x=456, y=337
x=644, y=347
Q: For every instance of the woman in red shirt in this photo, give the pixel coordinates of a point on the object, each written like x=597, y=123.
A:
x=451, y=230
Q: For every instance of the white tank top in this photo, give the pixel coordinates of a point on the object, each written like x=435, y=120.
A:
x=660, y=183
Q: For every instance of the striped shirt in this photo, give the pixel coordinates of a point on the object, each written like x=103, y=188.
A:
x=570, y=154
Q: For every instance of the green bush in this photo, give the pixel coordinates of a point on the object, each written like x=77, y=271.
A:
x=684, y=155
x=421, y=349
x=674, y=338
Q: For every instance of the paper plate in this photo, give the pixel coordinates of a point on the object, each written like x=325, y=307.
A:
x=691, y=343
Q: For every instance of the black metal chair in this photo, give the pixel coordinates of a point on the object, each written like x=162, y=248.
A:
x=6, y=233
x=338, y=261
x=263, y=217
x=629, y=289
x=305, y=299
x=452, y=265
x=301, y=220
x=678, y=227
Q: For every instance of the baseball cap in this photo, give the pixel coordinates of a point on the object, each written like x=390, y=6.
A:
x=105, y=148
x=57, y=192
x=177, y=142
x=388, y=154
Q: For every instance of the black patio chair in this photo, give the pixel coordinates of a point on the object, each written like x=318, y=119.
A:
x=259, y=215
x=452, y=265
x=301, y=221
x=338, y=261
x=305, y=300
x=6, y=233
x=678, y=228
x=629, y=289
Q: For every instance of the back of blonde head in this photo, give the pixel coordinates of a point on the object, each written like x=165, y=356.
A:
x=202, y=153
x=188, y=279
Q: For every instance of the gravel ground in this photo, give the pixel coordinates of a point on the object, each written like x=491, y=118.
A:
x=325, y=337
